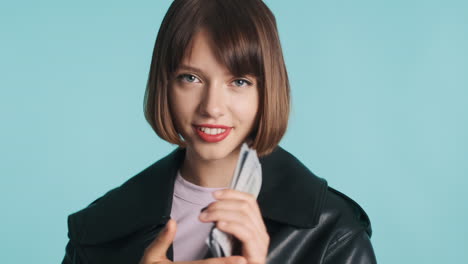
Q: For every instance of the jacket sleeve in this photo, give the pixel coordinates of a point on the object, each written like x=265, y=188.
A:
x=352, y=248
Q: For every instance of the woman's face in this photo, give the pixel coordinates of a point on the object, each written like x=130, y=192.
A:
x=214, y=111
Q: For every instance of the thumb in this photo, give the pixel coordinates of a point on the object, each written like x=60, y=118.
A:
x=156, y=251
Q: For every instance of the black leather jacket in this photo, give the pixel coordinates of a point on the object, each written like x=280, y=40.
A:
x=307, y=221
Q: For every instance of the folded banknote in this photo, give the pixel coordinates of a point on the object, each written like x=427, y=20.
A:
x=247, y=178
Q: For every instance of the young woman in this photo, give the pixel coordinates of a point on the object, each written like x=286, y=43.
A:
x=218, y=84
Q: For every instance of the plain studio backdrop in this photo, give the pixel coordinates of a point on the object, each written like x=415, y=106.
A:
x=379, y=92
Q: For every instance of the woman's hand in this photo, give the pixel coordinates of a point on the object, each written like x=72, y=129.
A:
x=237, y=213
x=155, y=253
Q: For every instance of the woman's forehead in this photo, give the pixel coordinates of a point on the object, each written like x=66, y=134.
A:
x=231, y=58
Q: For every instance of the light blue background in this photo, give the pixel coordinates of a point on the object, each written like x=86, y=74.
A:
x=379, y=90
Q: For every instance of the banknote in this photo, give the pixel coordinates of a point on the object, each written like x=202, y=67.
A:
x=247, y=178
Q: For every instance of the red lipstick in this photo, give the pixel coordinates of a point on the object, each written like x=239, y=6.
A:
x=212, y=138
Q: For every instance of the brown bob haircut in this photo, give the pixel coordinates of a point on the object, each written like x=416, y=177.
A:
x=246, y=42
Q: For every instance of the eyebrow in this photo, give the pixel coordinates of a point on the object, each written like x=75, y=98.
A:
x=190, y=68
x=197, y=70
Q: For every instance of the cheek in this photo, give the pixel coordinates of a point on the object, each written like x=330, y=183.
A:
x=183, y=105
x=246, y=109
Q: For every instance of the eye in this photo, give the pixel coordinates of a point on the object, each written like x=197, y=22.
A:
x=241, y=82
x=188, y=78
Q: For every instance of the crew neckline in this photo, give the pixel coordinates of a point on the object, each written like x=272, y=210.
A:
x=193, y=193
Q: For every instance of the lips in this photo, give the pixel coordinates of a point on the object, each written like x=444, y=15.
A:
x=212, y=126
x=210, y=132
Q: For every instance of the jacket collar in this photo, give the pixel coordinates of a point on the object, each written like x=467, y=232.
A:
x=290, y=194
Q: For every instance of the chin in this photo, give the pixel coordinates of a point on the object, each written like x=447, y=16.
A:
x=213, y=151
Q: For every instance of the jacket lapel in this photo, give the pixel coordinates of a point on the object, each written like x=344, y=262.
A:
x=290, y=194
x=142, y=201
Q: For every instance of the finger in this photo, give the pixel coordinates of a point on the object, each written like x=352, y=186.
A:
x=240, y=205
x=255, y=245
x=226, y=216
x=240, y=201
x=246, y=235
x=156, y=251
x=231, y=193
x=226, y=260
x=238, y=195
x=237, y=224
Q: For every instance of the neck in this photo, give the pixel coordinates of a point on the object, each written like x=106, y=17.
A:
x=209, y=173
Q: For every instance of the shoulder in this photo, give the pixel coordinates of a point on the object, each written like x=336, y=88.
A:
x=345, y=212
x=293, y=194
x=348, y=230
x=139, y=202
x=307, y=215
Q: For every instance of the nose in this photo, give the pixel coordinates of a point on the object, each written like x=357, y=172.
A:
x=212, y=103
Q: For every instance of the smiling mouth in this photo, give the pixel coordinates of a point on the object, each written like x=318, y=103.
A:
x=212, y=133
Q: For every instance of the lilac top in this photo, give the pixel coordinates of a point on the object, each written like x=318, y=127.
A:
x=189, y=243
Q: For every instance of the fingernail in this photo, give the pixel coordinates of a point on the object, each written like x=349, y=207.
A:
x=166, y=226
x=241, y=261
x=203, y=215
x=218, y=193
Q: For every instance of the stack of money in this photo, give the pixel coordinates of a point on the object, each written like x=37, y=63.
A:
x=247, y=178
